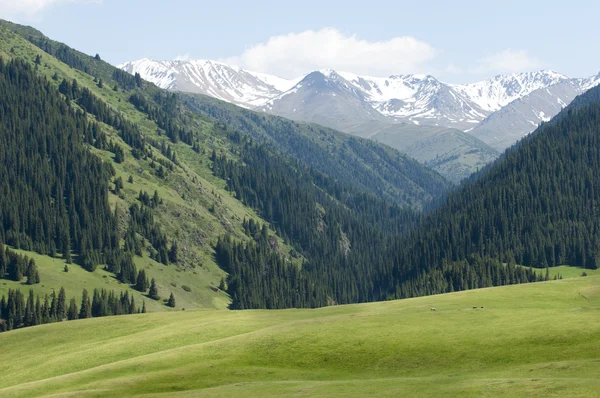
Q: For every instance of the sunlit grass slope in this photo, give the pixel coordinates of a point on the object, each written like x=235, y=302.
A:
x=538, y=339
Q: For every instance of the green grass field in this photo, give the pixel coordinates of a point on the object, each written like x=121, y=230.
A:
x=528, y=340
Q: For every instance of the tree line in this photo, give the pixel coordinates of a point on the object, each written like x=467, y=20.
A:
x=18, y=311
x=15, y=267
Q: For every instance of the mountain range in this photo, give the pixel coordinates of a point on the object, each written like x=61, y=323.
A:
x=495, y=113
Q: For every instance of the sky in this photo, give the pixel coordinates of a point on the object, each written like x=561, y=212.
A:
x=457, y=41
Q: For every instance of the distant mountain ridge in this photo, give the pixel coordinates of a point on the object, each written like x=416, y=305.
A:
x=213, y=78
x=497, y=112
x=421, y=99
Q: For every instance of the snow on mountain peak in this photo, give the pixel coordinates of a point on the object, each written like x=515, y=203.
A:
x=413, y=97
x=213, y=78
x=499, y=91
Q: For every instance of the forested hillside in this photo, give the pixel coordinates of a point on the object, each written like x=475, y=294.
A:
x=537, y=206
x=164, y=197
x=338, y=230
x=370, y=166
x=92, y=181
x=350, y=242
x=54, y=191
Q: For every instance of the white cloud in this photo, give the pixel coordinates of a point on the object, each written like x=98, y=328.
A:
x=294, y=54
x=507, y=61
x=32, y=8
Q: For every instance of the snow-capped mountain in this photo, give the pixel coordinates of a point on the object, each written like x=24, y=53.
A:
x=494, y=94
x=419, y=98
x=324, y=97
x=212, y=78
x=497, y=111
x=522, y=115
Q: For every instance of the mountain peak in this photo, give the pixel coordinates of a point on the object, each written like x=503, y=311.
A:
x=414, y=98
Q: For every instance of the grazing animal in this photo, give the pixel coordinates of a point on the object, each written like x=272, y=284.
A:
x=433, y=309
x=481, y=307
x=475, y=308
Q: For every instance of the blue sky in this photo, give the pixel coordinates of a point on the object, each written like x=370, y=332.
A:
x=457, y=41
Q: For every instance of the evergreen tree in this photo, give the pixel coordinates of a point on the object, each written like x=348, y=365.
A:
x=73, y=311
x=32, y=274
x=173, y=252
x=141, y=284
x=85, y=310
x=171, y=302
x=61, y=306
x=153, y=293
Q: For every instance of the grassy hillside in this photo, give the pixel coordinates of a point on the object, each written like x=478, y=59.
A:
x=169, y=279
x=528, y=340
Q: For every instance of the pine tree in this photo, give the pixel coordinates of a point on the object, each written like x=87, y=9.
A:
x=66, y=247
x=61, y=306
x=155, y=200
x=3, y=261
x=33, y=275
x=141, y=284
x=171, y=302
x=153, y=293
x=72, y=312
x=85, y=310
x=118, y=184
x=173, y=255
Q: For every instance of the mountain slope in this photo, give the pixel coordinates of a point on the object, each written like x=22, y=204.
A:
x=450, y=152
x=372, y=167
x=194, y=209
x=324, y=98
x=517, y=119
x=536, y=206
x=212, y=78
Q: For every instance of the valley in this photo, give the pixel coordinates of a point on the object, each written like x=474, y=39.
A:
x=286, y=227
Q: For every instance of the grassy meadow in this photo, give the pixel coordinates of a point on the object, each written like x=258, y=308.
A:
x=537, y=339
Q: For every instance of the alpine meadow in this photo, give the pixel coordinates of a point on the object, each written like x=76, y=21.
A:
x=265, y=225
